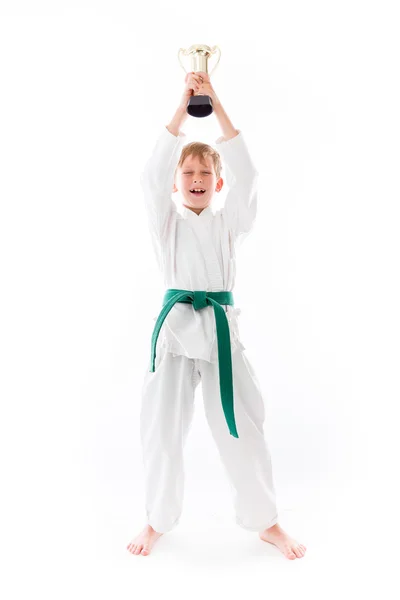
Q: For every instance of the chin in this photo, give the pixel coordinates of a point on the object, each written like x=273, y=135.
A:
x=198, y=207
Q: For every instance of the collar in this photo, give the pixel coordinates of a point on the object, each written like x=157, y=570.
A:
x=206, y=214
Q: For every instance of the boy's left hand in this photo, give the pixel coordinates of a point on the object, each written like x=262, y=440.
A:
x=206, y=86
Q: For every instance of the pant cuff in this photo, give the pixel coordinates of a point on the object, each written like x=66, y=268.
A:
x=260, y=527
x=162, y=528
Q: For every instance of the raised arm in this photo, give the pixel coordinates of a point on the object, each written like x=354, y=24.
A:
x=158, y=175
x=240, y=206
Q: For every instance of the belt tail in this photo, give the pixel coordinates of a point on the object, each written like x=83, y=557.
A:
x=225, y=367
x=161, y=317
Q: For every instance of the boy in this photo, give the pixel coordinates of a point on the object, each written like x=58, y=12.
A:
x=199, y=338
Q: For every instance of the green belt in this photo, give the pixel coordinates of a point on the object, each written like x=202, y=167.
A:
x=201, y=300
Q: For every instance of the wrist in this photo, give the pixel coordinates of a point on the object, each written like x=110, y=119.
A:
x=183, y=105
x=217, y=106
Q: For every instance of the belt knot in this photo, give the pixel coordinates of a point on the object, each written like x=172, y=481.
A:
x=200, y=300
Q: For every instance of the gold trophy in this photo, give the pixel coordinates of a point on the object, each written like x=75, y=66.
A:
x=199, y=105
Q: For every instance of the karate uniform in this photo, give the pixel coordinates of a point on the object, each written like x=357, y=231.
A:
x=197, y=252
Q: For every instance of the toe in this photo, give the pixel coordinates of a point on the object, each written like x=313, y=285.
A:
x=290, y=554
x=145, y=550
x=138, y=549
x=297, y=551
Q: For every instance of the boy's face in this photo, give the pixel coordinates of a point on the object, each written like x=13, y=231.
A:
x=194, y=174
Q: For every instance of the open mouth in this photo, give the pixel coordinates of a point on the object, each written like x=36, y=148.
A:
x=197, y=191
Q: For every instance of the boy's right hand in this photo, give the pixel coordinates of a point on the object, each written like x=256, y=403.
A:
x=193, y=83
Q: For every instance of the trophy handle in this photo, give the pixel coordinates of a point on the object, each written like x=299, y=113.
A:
x=219, y=56
x=179, y=58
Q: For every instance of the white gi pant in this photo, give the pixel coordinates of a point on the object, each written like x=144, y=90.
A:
x=166, y=414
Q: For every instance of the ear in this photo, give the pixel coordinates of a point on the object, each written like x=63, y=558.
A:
x=174, y=188
x=219, y=185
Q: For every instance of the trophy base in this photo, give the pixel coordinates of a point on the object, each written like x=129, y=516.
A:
x=199, y=106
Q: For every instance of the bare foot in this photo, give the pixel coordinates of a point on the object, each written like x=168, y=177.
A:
x=290, y=548
x=143, y=543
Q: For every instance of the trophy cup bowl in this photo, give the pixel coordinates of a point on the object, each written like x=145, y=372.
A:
x=199, y=105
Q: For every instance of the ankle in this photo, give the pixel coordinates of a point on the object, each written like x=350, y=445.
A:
x=150, y=529
x=274, y=528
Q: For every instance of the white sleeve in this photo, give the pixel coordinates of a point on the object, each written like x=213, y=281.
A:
x=157, y=179
x=240, y=208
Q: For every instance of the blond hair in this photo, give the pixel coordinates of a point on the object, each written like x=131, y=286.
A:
x=201, y=151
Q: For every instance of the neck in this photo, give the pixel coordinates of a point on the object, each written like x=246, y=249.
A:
x=196, y=210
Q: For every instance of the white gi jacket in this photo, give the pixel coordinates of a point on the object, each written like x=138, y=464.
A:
x=197, y=252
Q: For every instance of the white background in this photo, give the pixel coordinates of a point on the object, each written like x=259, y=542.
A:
x=86, y=88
